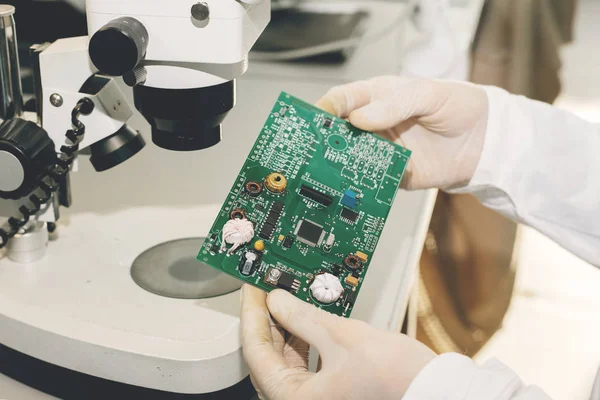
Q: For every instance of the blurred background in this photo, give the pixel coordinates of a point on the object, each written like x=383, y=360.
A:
x=488, y=288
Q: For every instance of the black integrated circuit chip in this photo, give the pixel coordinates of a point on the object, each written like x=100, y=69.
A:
x=328, y=123
x=316, y=196
x=273, y=216
x=309, y=233
x=349, y=215
x=288, y=242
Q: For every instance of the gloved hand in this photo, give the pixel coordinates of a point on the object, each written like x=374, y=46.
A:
x=442, y=122
x=358, y=361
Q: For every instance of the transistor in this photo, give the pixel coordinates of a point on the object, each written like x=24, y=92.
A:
x=287, y=243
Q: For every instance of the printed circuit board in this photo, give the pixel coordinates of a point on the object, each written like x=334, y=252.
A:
x=308, y=207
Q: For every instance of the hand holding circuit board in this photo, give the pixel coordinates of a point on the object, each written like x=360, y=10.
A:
x=308, y=207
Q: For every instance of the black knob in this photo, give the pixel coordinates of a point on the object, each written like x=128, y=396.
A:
x=119, y=46
x=26, y=153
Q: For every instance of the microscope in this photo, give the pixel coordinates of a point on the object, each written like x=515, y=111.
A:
x=180, y=59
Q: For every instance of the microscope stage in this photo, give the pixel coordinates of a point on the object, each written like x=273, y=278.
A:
x=79, y=308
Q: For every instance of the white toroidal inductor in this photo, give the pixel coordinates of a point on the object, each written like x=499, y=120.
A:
x=326, y=288
x=237, y=232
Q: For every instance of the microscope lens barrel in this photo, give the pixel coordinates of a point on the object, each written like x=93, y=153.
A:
x=11, y=94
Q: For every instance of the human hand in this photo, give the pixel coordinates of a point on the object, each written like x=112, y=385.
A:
x=358, y=361
x=442, y=122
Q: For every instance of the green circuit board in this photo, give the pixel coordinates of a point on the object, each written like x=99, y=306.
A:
x=317, y=192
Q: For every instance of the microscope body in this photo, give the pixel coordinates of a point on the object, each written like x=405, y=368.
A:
x=181, y=58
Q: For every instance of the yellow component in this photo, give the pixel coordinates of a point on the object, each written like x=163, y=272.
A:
x=259, y=245
x=362, y=256
x=276, y=182
x=352, y=281
x=281, y=238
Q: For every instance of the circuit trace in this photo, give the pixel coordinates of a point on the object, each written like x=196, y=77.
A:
x=307, y=209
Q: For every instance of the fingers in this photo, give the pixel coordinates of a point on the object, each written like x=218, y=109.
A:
x=264, y=361
x=406, y=100
x=342, y=100
x=307, y=322
x=295, y=353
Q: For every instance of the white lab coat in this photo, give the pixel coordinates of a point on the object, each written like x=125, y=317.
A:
x=540, y=166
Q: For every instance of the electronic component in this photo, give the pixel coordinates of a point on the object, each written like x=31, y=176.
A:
x=329, y=242
x=214, y=249
x=306, y=165
x=352, y=263
x=351, y=280
x=310, y=233
x=236, y=232
x=259, y=245
x=288, y=282
x=316, y=196
x=273, y=216
x=273, y=276
x=248, y=263
x=253, y=189
x=276, y=182
x=361, y=256
x=349, y=215
x=237, y=213
x=288, y=242
x=337, y=269
x=282, y=280
x=350, y=199
x=349, y=300
x=326, y=288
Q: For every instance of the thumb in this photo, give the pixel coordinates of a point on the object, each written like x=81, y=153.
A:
x=305, y=321
x=407, y=100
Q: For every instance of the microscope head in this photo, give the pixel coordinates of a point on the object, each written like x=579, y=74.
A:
x=181, y=57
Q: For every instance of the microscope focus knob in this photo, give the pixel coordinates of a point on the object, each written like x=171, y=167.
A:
x=26, y=153
x=119, y=46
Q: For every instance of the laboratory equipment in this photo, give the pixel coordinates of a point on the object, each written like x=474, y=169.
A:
x=179, y=64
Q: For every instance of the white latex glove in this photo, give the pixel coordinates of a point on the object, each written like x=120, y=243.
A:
x=442, y=122
x=358, y=361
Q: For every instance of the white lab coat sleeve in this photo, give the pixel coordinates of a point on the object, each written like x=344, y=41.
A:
x=455, y=377
x=541, y=166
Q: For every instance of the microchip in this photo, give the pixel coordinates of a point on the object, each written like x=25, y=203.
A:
x=316, y=196
x=287, y=243
x=267, y=231
x=328, y=123
x=277, y=207
x=288, y=282
x=310, y=233
x=214, y=249
x=349, y=215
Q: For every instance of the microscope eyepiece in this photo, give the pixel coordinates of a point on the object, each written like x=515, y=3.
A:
x=185, y=119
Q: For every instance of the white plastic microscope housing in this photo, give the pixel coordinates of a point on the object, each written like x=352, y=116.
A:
x=203, y=53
